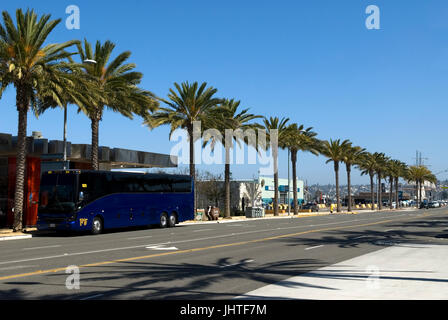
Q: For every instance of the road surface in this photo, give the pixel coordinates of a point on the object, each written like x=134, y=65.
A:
x=205, y=261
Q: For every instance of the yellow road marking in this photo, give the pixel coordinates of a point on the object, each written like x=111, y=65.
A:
x=96, y=264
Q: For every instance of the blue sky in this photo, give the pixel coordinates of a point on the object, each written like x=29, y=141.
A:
x=312, y=61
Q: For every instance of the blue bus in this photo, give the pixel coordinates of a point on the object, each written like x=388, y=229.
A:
x=84, y=200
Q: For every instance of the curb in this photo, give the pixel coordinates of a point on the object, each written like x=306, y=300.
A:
x=26, y=236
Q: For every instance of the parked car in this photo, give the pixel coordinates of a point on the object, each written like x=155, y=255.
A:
x=433, y=204
x=314, y=207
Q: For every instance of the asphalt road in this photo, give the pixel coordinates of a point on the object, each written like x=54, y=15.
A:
x=204, y=261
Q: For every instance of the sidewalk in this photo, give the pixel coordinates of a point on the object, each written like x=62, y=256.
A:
x=9, y=234
x=300, y=215
x=401, y=272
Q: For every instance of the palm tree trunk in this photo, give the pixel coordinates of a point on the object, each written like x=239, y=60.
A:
x=380, y=195
x=95, y=142
x=22, y=108
x=391, y=190
x=372, y=191
x=294, y=180
x=192, y=166
x=416, y=194
x=275, y=153
x=349, y=188
x=336, y=172
x=396, y=193
x=227, y=182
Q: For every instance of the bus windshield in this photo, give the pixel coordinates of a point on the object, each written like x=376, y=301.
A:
x=57, y=193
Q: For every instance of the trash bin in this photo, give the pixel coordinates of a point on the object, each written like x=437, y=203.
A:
x=252, y=212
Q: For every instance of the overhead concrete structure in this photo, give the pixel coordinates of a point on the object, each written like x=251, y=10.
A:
x=109, y=158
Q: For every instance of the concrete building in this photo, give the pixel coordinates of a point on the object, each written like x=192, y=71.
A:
x=268, y=190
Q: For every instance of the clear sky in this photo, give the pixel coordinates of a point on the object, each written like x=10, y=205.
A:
x=313, y=61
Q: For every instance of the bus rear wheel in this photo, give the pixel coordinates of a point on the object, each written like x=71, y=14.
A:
x=172, y=220
x=97, y=225
x=163, y=220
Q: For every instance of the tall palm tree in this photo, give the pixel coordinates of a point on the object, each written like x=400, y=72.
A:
x=334, y=151
x=380, y=169
x=191, y=103
x=367, y=164
x=79, y=89
x=420, y=174
x=351, y=156
x=119, y=85
x=34, y=70
x=299, y=139
x=228, y=117
x=396, y=169
x=401, y=168
x=278, y=128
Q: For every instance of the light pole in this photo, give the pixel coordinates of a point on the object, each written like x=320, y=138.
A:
x=87, y=61
x=65, y=135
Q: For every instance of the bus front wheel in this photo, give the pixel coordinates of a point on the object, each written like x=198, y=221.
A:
x=97, y=225
x=164, y=220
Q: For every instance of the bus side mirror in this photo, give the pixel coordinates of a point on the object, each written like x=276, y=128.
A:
x=81, y=196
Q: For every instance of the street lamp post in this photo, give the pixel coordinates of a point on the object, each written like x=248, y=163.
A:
x=65, y=136
x=87, y=61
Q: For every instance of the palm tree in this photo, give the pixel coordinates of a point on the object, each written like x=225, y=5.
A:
x=351, y=156
x=118, y=83
x=299, y=139
x=228, y=117
x=79, y=89
x=380, y=169
x=334, y=151
x=401, y=170
x=396, y=169
x=275, y=129
x=34, y=70
x=191, y=103
x=420, y=174
x=367, y=164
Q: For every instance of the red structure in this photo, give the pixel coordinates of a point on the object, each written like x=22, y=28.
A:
x=31, y=190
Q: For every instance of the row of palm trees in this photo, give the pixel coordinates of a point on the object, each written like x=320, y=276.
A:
x=48, y=76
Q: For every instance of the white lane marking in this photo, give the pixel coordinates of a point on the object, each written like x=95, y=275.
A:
x=161, y=248
x=36, y=248
x=181, y=241
x=203, y=230
x=360, y=237
x=95, y=296
x=315, y=247
x=236, y=264
x=235, y=225
x=139, y=237
x=16, y=267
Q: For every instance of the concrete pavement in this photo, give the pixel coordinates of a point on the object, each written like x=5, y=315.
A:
x=403, y=272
